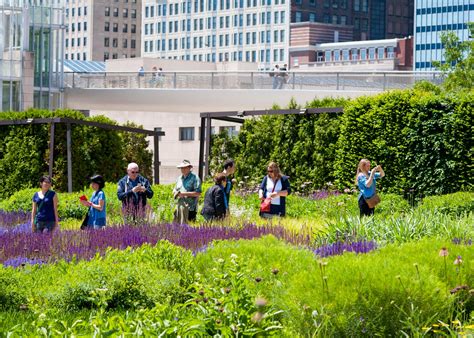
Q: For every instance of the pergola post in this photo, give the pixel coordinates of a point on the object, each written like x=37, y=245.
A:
x=208, y=146
x=156, y=154
x=51, y=150
x=202, y=137
x=69, y=157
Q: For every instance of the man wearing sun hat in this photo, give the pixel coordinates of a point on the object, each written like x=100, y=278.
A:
x=187, y=191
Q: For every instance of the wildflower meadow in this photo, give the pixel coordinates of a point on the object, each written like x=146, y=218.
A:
x=322, y=271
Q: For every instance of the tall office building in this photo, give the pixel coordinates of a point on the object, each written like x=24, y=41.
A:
x=432, y=18
x=98, y=30
x=371, y=19
x=31, y=45
x=217, y=30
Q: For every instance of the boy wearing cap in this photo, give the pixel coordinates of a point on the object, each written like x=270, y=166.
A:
x=187, y=190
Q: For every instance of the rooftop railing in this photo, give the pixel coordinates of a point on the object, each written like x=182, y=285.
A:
x=291, y=80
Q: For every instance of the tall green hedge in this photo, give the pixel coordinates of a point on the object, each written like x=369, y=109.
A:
x=422, y=138
x=24, y=151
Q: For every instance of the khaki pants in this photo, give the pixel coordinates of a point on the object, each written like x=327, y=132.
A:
x=181, y=213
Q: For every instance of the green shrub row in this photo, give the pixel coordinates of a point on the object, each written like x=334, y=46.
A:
x=422, y=138
x=24, y=151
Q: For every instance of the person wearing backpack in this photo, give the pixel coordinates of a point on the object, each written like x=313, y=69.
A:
x=44, y=212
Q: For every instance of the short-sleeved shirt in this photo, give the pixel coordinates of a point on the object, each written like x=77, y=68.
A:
x=190, y=183
x=97, y=217
x=365, y=191
x=45, y=207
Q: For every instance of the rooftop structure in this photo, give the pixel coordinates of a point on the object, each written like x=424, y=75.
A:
x=31, y=53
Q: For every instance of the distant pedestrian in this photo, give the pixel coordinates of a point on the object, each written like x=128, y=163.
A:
x=96, y=214
x=134, y=190
x=229, y=170
x=215, y=201
x=273, y=191
x=44, y=212
x=274, y=74
x=365, y=181
x=141, y=71
x=187, y=191
x=283, y=75
x=160, y=77
x=154, y=77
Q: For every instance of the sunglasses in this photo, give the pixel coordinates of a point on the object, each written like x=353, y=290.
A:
x=269, y=171
x=134, y=172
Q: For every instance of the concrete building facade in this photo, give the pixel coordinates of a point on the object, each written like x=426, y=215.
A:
x=31, y=54
x=432, y=18
x=99, y=30
x=217, y=30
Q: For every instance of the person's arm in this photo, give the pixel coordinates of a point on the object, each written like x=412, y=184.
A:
x=33, y=214
x=196, y=192
x=369, y=182
x=101, y=204
x=382, y=173
x=55, y=206
x=285, y=186
x=121, y=193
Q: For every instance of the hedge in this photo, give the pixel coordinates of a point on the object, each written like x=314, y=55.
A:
x=24, y=152
x=421, y=137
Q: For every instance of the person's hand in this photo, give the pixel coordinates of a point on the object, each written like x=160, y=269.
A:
x=274, y=194
x=378, y=167
x=261, y=198
x=137, y=189
x=85, y=203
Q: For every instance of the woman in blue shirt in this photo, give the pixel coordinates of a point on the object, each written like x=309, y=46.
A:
x=44, y=213
x=97, y=208
x=365, y=181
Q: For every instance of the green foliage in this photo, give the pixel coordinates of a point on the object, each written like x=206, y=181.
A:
x=24, y=153
x=421, y=137
x=12, y=295
x=136, y=150
x=422, y=140
x=455, y=204
x=458, y=64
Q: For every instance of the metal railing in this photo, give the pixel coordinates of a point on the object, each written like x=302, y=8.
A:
x=293, y=80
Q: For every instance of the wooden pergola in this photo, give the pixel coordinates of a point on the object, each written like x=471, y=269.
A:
x=239, y=117
x=156, y=133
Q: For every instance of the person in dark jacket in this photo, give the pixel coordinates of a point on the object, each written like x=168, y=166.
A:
x=133, y=190
x=275, y=186
x=215, y=200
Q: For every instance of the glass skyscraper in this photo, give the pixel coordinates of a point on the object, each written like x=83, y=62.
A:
x=432, y=18
x=31, y=58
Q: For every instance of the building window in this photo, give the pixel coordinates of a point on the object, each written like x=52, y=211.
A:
x=115, y=42
x=107, y=26
x=106, y=56
x=390, y=52
x=84, y=56
x=133, y=13
x=380, y=53
x=186, y=133
x=85, y=41
x=298, y=16
x=133, y=29
x=125, y=43
x=115, y=27
x=312, y=17
x=114, y=56
x=85, y=10
x=125, y=13
x=230, y=130
x=132, y=44
x=106, y=42
x=116, y=10
x=107, y=11
x=125, y=28
x=67, y=43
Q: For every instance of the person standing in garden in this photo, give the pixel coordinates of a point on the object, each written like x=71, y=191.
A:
x=44, y=212
x=215, y=200
x=134, y=190
x=229, y=169
x=365, y=181
x=273, y=191
x=96, y=215
x=187, y=191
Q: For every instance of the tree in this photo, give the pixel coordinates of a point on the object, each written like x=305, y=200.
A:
x=459, y=61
